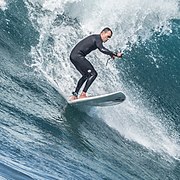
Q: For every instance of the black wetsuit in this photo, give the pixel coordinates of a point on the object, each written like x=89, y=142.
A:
x=77, y=57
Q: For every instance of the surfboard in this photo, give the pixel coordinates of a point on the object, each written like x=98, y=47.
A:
x=100, y=100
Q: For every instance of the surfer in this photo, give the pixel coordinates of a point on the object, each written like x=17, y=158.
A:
x=86, y=69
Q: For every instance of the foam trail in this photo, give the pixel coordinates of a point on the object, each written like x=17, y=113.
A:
x=62, y=24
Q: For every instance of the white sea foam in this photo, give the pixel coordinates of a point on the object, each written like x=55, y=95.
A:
x=3, y=4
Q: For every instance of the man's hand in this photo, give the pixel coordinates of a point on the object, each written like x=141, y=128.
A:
x=119, y=55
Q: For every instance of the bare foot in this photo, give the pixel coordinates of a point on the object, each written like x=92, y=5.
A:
x=72, y=98
x=83, y=95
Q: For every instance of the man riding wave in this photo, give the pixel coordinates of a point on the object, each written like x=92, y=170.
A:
x=86, y=69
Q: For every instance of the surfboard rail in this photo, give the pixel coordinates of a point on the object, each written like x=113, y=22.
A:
x=110, y=99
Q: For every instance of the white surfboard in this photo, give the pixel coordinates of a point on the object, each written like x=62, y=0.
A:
x=101, y=100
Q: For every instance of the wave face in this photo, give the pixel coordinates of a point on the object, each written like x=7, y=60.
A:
x=42, y=137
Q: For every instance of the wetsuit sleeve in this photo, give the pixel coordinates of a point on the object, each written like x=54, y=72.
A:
x=104, y=50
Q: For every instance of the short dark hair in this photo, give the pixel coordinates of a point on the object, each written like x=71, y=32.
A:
x=106, y=29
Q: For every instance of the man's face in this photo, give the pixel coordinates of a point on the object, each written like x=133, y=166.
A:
x=105, y=36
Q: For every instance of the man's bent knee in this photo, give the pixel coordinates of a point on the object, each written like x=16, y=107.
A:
x=92, y=73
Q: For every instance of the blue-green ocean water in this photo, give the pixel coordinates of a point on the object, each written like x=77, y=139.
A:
x=43, y=138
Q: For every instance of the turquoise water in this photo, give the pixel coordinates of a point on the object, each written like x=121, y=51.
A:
x=44, y=138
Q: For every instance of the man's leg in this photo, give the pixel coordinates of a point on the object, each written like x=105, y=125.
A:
x=88, y=73
x=80, y=83
x=79, y=64
x=91, y=78
x=92, y=74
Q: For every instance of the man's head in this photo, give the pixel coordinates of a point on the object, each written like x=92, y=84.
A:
x=106, y=34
